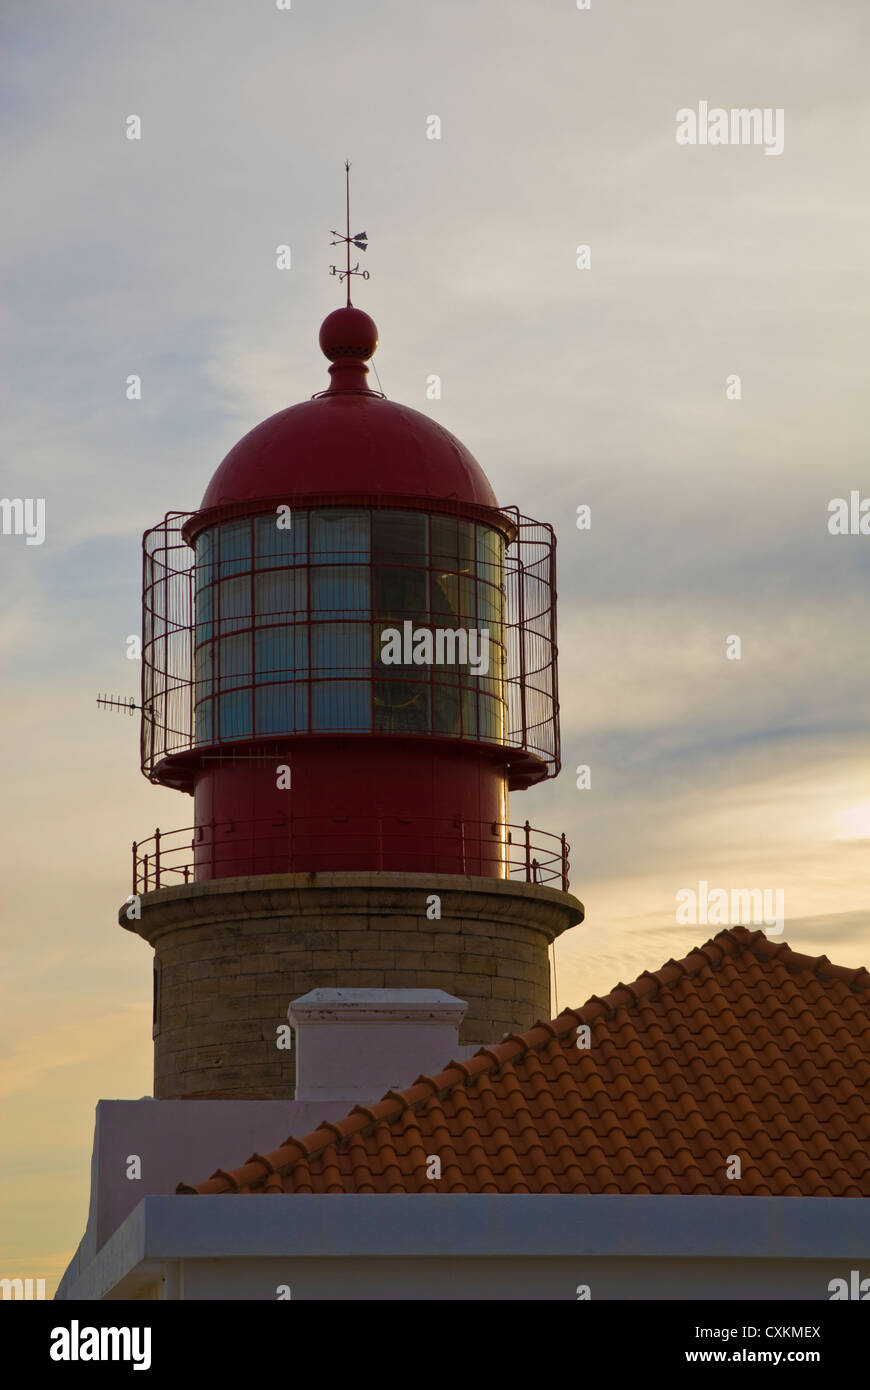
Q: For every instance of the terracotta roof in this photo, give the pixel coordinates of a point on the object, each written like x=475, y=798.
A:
x=745, y=1047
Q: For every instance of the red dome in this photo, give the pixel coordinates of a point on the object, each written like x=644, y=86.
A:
x=349, y=442
x=349, y=439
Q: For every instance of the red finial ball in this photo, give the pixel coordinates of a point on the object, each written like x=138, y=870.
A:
x=348, y=332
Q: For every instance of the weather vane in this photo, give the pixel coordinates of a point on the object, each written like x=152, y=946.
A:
x=360, y=241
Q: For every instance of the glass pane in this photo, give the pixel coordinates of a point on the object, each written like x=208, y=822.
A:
x=203, y=668
x=282, y=651
x=340, y=590
x=453, y=601
x=340, y=649
x=234, y=655
x=282, y=709
x=446, y=711
x=205, y=546
x=235, y=714
x=452, y=543
x=339, y=537
x=399, y=538
x=280, y=545
x=466, y=545
x=234, y=547
x=490, y=603
x=489, y=555
x=206, y=575
x=280, y=592
x=401, y=707
x=400, y=594
x=447, y=673
x=469, y=714
x=204, y=603
x=342, y=705
x=203, y=721
x=234, y=604
x=491, y=717
x=445, y=542
x=445, y=599
x=495, y=676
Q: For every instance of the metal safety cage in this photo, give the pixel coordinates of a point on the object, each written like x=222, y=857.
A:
x=532, y=682
x=167, y=643
x=526, y=690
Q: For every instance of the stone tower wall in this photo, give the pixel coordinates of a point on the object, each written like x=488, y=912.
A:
x=231, y=954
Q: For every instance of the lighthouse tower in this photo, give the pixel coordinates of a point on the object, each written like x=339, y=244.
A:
x=349, y=661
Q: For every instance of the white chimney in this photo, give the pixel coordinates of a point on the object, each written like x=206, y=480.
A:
x=357, y=1044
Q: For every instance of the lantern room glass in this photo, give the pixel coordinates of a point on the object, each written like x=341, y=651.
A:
x=294, y=614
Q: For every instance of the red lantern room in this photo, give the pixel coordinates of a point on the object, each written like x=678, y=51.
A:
x=349, y=653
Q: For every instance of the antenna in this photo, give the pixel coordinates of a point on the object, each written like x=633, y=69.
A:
x=128, y=705
x=360, y=241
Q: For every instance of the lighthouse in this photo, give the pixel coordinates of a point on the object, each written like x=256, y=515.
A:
x=349, y=664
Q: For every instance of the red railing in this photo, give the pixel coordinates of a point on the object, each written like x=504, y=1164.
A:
x=294, y=844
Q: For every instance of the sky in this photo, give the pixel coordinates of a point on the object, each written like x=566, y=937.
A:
x=605, y=387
